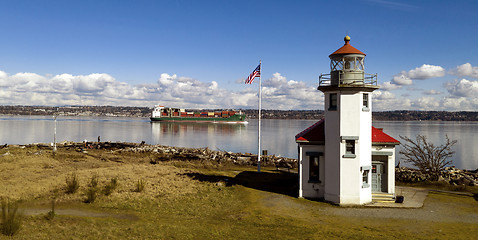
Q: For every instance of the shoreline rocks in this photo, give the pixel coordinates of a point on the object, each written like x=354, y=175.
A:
x=168, y=153
x=451, y=175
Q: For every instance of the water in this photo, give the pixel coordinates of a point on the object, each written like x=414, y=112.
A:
x=466, y=133
x=277, y=135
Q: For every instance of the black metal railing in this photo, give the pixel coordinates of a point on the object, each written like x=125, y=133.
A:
x=365, y=79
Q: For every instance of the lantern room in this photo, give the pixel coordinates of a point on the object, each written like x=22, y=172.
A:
x=347, y=68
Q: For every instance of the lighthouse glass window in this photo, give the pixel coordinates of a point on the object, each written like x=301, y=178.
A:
x=349, y=63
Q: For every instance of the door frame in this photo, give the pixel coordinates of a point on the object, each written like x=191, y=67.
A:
x=383, y=174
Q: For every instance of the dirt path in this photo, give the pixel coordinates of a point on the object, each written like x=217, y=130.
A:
x=76, y=213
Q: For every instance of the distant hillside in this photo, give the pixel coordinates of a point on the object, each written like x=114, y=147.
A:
x=425, y=116
x=115, y=111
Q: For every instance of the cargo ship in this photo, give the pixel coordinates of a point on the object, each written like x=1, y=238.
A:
x=161, y=113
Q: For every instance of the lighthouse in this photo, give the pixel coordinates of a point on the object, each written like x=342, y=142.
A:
x=348, y=120
x=335, y=154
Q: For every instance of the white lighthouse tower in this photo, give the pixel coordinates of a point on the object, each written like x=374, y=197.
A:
x=343, y=159
x=348, y=123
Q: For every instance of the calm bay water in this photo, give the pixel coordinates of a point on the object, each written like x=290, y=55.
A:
x=277, y=135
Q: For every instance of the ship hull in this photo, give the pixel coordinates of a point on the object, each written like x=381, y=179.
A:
x=231, y=119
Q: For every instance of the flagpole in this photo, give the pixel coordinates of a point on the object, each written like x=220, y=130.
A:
x=259, y=128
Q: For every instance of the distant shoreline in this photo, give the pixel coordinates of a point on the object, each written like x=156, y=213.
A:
x=145, y=112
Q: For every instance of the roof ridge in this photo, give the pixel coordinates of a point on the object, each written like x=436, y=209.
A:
x=305, y=131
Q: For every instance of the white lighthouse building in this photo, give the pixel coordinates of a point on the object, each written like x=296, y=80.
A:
x=343, y=159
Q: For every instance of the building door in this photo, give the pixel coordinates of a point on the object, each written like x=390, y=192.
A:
x=377, y=171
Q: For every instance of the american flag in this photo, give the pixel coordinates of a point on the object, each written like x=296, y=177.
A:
x=254, y=74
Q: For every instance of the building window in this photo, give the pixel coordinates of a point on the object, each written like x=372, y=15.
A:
x=314, y=166
x=365, y=183
x=349, y=149
x=365, y=106
x=314, y=169
x=349, y=146
x=333, y=101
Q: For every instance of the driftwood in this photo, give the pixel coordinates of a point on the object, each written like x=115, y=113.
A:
x=450, y=175
x=168, y=153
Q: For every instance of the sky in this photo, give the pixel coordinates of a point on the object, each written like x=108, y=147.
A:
x=197, y=54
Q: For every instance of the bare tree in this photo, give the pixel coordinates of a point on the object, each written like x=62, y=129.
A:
x=426, y=156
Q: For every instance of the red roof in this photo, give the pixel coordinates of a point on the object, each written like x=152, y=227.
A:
x=313, y=133
x=316, y=133
x=378, y=136
x=346, y=49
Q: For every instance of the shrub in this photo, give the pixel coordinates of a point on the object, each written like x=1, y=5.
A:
x=426, y=156
x=140, y=185
x=93, y=181
x=72, y=183
x=91, y=195
x=10, y=224
x=111, y=186
x=92, y=190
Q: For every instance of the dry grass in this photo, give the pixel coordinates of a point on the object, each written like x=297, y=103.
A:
x=31, y=175
x=200, y=200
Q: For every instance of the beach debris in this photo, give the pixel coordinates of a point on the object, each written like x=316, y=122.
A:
x=451, y=175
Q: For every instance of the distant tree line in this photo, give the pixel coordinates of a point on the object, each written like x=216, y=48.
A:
x=425, y=116
x=402, y=115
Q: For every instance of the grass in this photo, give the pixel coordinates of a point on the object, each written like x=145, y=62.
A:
x=442, y=186
x=140, y=184
x=51, y=214
x=10, y=219
x=183, y=200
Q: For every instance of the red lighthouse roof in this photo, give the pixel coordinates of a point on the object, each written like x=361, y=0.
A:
x=378, y=136
x=346, y=49
x=316, y=133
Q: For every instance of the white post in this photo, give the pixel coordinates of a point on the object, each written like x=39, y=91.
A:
x=301, y=169
x=259, y=128
x=54, y=137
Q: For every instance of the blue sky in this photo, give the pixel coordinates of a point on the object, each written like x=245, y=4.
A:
x=197, y=53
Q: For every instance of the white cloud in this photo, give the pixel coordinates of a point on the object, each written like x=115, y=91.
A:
x=175, y=91
x=426, y=71
x=460, y=104
x=382, y=95
x=426, y=103
x=401, y=79
x=388, y=86
x=280, y=93
x=463, y=88
x=465, y=70
x=432, y=92
x=170, y=90
x=386, y=101
x=455, y=103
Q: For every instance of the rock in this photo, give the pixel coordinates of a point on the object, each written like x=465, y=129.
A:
x=441, y=179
